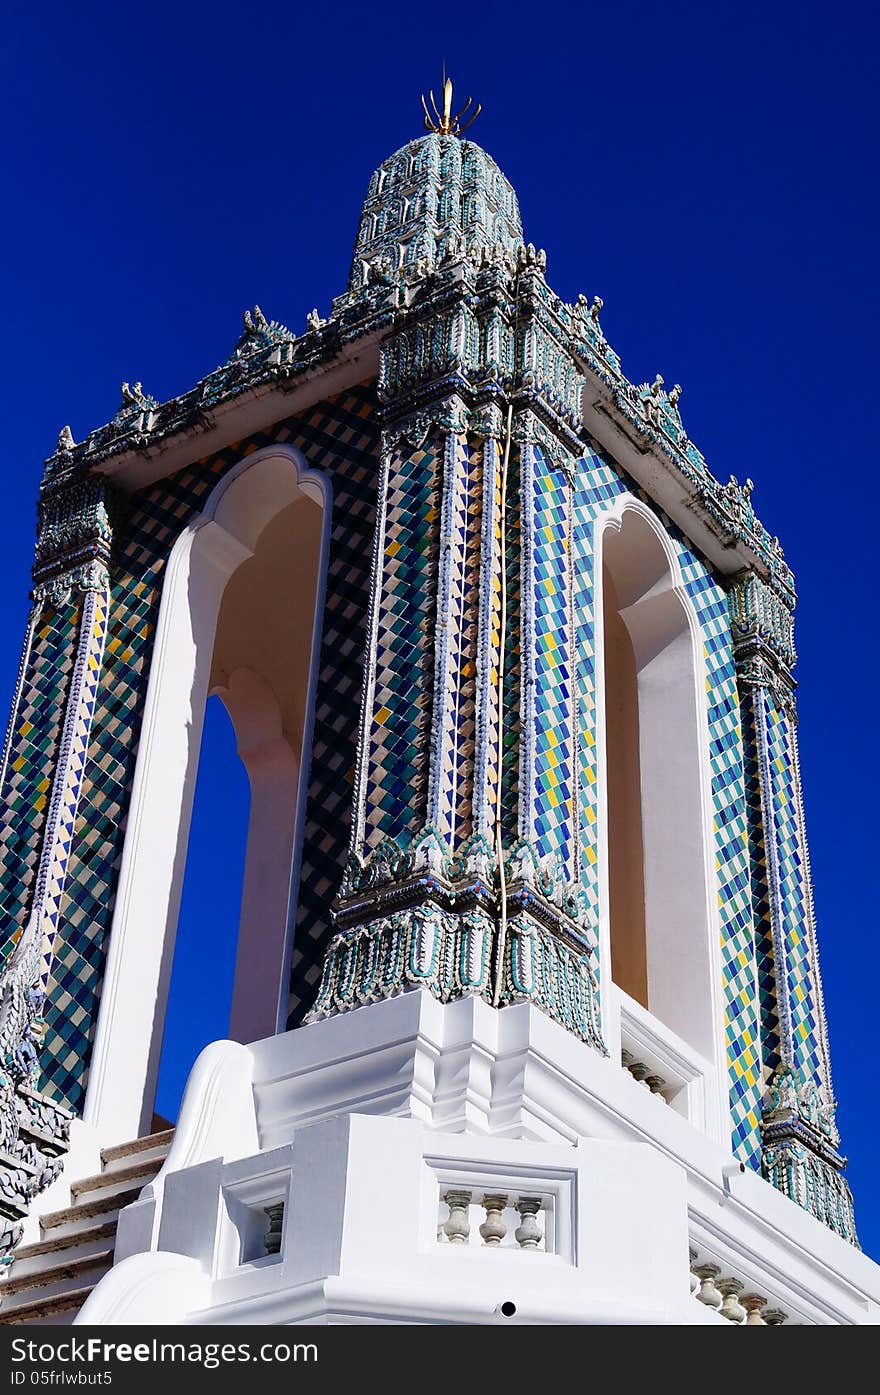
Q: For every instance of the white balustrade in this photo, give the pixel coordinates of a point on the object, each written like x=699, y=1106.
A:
x=724, y=1292
x=509, y=1222
x=644, y=1075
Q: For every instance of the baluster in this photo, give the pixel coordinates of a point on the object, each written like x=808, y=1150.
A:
x=528, y=1233
x=457, y=1227
x=774, y=1317
x=656, y=1084
x=708, y=1294
x=695, y=1282
x=639, y=1071
x=731, y=1308
x=272, y=1237
x=494, y=1228
x=753, y=1303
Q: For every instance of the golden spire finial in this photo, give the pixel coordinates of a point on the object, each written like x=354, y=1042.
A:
x=443, y=123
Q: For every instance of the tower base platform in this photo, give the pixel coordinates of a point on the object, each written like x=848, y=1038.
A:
x=412, y=1162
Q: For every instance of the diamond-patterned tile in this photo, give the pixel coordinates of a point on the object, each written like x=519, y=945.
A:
x=404, y=661
x=553, y=783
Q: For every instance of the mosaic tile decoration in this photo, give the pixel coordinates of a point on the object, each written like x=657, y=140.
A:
x=512, y=733
x=451, y=627
x=487, y=465
x=404, y=662
x=33, y=752
x=817, y=999
x=337, y=436
x=764, y=948
x=468, y=654
x=69, y=771
x=597, y=484
x=553, y=780
x=792, y=891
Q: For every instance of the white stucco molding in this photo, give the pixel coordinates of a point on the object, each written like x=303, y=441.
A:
x=147, y=1289
x=463, y=1095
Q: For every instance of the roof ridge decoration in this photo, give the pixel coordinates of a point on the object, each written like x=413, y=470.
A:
x=258, y=333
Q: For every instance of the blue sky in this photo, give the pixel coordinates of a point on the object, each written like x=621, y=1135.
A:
x=707, y=170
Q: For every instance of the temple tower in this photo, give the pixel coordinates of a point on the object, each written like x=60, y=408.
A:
x=511, y=675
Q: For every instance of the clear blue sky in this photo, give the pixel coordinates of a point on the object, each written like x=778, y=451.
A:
x=708, y=169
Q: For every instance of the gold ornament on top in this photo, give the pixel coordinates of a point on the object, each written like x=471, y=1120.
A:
x=443, y=123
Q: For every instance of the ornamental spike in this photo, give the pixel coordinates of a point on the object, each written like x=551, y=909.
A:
x=443, y=123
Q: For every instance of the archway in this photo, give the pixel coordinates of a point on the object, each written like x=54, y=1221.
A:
x=239, y=618
x=658, y=830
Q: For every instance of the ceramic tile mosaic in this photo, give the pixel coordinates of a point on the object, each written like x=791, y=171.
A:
x=26, y=794
x=468, y=655
x=512, y=733
x=69, y=771
x=792, y=892
x=451, y=629
x=764, y=949
x=552, y=775
x=485, y=779
x=404, y=663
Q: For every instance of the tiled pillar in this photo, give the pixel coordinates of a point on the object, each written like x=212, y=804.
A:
x=800, y=1138
x=42, y=774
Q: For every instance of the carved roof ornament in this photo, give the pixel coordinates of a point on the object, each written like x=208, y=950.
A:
x=133, y=396
x=255, y=321
x=443, y=123
x=65, y=441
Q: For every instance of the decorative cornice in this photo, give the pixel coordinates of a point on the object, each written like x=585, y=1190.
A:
x=800, y=1157
x=451, y=954
x=794, y=1101
x=395, y=877
x=76, y=515
x=762, y=629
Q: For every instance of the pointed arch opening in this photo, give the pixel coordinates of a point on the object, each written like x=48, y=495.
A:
x=658, y=855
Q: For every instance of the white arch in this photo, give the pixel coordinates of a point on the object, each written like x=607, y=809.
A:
x=125, y=1058
x=683, y=927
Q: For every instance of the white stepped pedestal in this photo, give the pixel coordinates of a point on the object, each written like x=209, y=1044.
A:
x=453, y=1164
